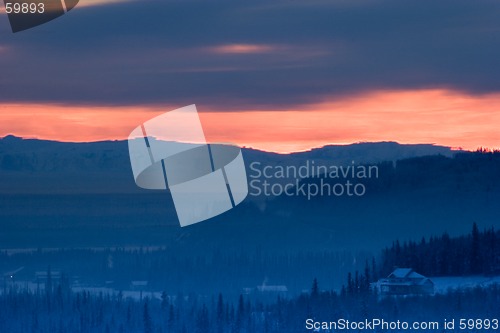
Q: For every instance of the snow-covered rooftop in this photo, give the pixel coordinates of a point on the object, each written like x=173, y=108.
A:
x=401, y=273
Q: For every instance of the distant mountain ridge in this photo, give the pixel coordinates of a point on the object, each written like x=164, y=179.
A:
x=83, y=194
x=42, y=165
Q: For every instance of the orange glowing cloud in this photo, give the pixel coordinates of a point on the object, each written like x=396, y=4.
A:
x=242, y=48
x=92, y=3
x=422, y=116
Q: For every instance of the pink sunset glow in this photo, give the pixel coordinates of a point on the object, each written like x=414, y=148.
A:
x=422, y=116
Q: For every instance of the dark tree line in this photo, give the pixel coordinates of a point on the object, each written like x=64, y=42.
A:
x=174, y=271
x=360, y=283
x=475, y=253
x=60, y=310
x=56, y=308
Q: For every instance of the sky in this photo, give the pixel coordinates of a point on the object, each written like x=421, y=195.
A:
x=279, y=75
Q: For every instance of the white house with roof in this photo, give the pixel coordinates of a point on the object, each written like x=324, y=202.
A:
x=403, y=282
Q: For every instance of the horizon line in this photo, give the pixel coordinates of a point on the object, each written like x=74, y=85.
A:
x=453, y=149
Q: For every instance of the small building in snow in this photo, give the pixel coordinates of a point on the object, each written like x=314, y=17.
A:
x=272, y=289
x=403, y=282
x=267, y=290
x=43, y=276
x=139, y=285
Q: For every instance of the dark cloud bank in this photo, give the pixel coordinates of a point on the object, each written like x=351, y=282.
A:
x=160, y=52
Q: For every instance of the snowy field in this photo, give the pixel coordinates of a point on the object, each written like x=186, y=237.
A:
x=442, y=284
